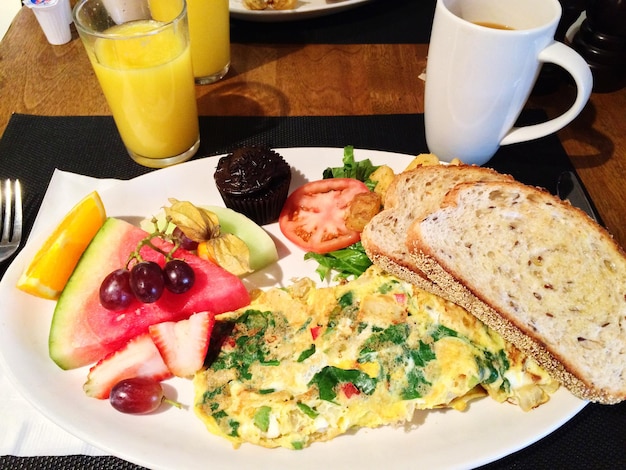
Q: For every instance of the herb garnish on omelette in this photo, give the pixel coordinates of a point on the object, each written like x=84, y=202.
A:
x=305, y=364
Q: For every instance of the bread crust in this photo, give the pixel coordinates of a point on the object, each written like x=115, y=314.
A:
x=458, y=283
x=459, y=294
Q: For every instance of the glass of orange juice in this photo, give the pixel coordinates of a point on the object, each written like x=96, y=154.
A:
x=142, y=59
x=209, y=29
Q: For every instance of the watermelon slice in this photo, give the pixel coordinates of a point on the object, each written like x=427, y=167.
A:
x=84, y=332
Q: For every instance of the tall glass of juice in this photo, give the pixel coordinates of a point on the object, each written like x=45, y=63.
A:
x=209, y=29
x=142, y=60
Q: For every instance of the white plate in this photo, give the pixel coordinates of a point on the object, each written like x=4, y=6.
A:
x=176, y=439
x=304, y=10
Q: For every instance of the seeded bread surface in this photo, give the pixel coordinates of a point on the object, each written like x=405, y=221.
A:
x=411, y=195
x=538, y=271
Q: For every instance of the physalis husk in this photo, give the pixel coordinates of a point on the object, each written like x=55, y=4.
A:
x=202, y=226
x=229, y=251
x=197, y=223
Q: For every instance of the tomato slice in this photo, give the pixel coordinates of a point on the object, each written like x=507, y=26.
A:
x=313, y=216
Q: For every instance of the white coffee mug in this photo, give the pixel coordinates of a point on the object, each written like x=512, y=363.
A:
x=478, y=77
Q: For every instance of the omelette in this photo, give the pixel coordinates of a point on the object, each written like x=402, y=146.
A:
x=305, y=364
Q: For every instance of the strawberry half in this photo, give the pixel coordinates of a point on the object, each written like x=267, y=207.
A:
x=139, y=358
x=184, y=344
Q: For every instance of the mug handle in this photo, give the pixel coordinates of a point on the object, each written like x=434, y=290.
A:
x=564, y=56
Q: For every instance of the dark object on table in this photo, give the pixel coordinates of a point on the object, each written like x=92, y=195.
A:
x=601, y=40
x=569, y=187
x=572, y=9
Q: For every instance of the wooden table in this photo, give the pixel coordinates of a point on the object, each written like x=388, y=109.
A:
x=297, y=80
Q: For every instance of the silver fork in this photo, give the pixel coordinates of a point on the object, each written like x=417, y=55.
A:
x=11, y=204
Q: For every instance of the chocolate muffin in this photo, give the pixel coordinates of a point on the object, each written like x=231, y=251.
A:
x=255, y=182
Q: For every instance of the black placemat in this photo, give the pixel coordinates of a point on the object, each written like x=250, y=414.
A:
x=375, y=22
x=33, y=146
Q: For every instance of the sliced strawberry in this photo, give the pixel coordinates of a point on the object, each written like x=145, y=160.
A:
x=184, y=344
x=139, y=358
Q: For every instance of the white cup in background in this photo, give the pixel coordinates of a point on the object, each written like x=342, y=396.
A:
x=54, y=17
x=478, y=78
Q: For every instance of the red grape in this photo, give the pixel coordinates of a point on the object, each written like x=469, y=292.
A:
x=179, y=276
x=137, y=395
x=115, y=291
x=185, y=242
x=146, y=281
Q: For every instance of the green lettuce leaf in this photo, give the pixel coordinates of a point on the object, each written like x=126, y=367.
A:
x=349, y=261
x=360, y=170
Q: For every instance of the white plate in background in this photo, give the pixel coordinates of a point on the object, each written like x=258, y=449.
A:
x=304, y=9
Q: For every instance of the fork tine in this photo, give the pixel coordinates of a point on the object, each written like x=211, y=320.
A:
x=6, y=222
x=17, y=222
